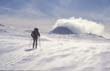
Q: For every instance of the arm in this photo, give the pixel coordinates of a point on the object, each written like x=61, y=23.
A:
x=38, y=34
x=32, y=34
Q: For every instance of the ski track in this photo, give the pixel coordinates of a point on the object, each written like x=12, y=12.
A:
x=55, y=55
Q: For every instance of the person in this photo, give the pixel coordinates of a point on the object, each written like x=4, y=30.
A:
x=35, y=35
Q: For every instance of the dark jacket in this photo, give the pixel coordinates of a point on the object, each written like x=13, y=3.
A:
x=35, y=34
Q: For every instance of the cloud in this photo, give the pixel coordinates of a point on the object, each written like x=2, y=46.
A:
x=56, y=8
x=27, y=23
x=47, y=11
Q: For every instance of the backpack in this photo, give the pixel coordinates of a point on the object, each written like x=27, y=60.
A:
x=35, y=34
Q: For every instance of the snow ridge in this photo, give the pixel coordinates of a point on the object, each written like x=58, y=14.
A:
x=79, y=26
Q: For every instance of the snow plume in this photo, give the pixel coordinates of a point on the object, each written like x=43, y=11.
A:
x=80, y=26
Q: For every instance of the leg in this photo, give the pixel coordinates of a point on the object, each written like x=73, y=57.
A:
x=33, y=42
x=36, y=43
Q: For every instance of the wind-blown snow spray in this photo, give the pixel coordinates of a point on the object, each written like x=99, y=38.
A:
x=80, y=26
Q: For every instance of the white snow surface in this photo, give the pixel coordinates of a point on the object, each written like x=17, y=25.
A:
x=55, y=53
x=9, y=30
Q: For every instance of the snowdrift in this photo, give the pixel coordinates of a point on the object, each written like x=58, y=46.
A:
x=2, y=28
x=77, y=26
x=54, y=54
x=62, y=30
x=8, y=30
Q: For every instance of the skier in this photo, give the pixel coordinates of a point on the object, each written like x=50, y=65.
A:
x=35, y=35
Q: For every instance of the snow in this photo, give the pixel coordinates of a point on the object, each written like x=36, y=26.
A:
x=77, y=26
x=75, y=52
x=55, y=53
x=6, y=30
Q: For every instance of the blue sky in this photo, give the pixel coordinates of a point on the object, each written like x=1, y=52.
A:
x=51, y=10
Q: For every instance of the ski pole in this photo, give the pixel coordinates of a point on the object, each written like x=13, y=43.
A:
x=39, y=43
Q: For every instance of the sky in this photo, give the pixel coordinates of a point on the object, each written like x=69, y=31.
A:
x=44, y=13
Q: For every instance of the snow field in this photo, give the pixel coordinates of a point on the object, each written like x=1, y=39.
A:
x=54, y=54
